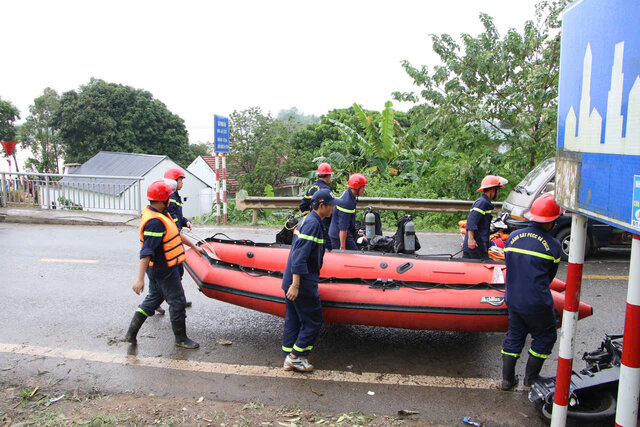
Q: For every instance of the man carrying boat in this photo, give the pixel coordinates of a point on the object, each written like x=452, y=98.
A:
x=160, y=256
x=324, y=173
x=303, y=316
x=343, y=225
x=532, y=256
x=175, y=178
x=476, y=240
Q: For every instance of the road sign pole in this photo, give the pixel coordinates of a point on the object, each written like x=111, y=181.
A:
x=217, y=189
x=224, y=186
x=629, y=386
x=569, y=320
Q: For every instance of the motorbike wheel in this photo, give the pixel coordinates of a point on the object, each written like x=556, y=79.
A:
x=596, y=408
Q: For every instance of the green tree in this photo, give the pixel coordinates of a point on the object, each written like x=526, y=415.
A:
x=260, y=147
x=39, y=134
x=105, y=116
x=199, y=149
x=8, y=116
x=504, y=87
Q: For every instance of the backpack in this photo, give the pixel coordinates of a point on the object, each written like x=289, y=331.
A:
x=398, y=238
x=285, y=236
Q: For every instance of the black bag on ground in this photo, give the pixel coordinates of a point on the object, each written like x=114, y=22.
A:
x=285, y=236
x=381, y=244
x=398, y=238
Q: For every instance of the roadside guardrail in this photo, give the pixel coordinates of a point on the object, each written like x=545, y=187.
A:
x=96, y=193
x=415, y=205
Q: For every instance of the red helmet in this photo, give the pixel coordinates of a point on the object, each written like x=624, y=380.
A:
x=159, y=191
x=324, y=169
x=491, y=181
x=174, y=173
x=357, y=180
x=544, y=209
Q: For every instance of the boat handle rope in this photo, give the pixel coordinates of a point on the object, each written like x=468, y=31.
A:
x=373, y=283
x=251, y=242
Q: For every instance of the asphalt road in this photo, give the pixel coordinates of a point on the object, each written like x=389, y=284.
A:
x=66, y=298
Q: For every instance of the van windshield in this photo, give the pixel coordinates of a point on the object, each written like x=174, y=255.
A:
x=536, y=178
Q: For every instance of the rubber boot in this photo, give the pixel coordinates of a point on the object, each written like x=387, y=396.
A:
x=160, y=311
x=509, y=377
x=134, y=327
x=532, y=371
x=180, y=331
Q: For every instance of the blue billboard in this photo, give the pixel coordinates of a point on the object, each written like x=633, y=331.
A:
x=221, y=134
x=598, y=156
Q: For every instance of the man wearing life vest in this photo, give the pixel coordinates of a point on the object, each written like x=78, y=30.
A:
x=324, y=178
x=476, y=240
x=160, y=255
x=532, y=256
x=343, y=225
x=303, y=312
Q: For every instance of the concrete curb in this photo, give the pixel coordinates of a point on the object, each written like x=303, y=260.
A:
x=35, y=216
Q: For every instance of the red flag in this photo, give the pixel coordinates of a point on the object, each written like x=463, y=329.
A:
x=9, y=146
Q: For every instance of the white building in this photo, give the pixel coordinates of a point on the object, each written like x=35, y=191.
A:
x=113, y=195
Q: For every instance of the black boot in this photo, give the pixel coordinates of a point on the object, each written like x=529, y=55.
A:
x=532, y=371
x=509, y=377
x=134, y=327
x=160, y=311
x=180, y=331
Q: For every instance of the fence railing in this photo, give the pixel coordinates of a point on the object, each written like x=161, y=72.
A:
x=96, y=193
x=414, y=205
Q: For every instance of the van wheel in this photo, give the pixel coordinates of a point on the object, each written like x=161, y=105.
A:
x=564, y=236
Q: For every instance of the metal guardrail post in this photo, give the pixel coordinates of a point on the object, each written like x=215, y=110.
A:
x=47, y=199
x=254, y=218
x=5, y=193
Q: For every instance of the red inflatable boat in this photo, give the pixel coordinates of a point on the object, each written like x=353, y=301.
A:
x=366, y=288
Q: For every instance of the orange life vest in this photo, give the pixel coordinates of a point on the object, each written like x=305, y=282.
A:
x=171, y=242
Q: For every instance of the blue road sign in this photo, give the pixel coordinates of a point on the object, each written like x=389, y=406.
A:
x=221, y=134
x=598, y=157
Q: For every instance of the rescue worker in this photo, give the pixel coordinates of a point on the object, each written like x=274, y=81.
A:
x=476, y=239
x=160, y=256
x=532, y=256
x=343, y=225
x=324, y=173
x=303, y=315
x=175, y=207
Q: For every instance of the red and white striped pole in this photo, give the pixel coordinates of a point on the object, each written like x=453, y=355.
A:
x=224, y=186
x=629, y=387
x=217, y=189
x=569, y=320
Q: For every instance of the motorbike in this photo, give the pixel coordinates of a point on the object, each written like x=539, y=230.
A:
x=593, y=390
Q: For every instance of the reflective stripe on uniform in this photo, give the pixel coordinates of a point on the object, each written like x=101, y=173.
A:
x=345, y=210
x=142, y=311
x=481, y=211
x=307, y=237
x=154, y=233
x=533, y=253
x=307, y=348
x=173, y=201
x=516, y=355
x=307, y=197
x=541, y=356
x=305, y=212
x=287, y=349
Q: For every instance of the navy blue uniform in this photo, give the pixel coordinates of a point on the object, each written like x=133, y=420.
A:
x=532, y=256
x=479, y=221
x=175, y=209
x=164, y=281
x=303, y=316
x=305, y=208
x=344, y=218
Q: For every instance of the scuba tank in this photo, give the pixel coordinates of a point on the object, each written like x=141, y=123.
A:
x=409, y=236
x=369, y=224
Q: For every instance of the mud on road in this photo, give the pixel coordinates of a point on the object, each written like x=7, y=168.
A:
x=50, y=406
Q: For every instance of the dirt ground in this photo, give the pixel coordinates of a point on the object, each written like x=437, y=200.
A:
x=48, y=406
